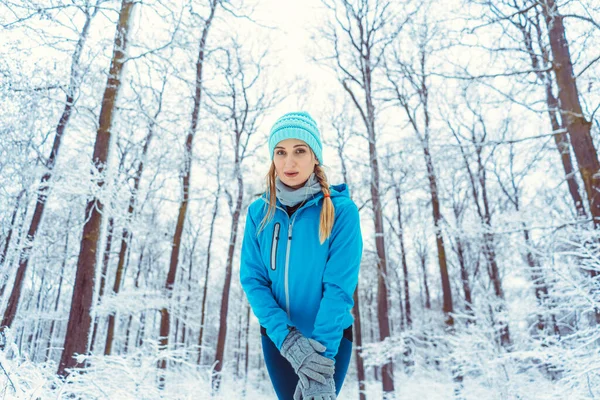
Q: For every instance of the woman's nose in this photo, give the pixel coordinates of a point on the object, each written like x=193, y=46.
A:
x=289, y=161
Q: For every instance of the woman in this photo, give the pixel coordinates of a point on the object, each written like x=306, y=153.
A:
x=299, y=268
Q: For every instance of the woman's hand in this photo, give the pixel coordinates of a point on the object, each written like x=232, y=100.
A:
x=316, y=390
x=304, y=356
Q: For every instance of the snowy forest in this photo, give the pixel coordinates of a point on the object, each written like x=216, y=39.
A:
x=133, y=137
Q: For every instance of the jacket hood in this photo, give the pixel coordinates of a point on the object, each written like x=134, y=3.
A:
x=340, y=190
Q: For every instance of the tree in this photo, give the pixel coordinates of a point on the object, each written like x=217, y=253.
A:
x=215, y=212
x=240, y=105
x=477, y=137
x=571, y=112
x=133, y=199
x=460, y=247
x=359, y=34
x=532, y=47
x=78, y=328
x=342, y=126
x=165, y=322
x=513, y=192
x=409, y=84
x=397, y=185
x=50, y=162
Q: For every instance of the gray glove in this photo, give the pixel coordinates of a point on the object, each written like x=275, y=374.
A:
x=315, y=390
x=303, y=354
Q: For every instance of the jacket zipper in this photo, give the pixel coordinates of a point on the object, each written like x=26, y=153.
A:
x=287, y=265
x=287, y=255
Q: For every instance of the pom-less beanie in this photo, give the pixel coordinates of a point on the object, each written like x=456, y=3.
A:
x=297, y=125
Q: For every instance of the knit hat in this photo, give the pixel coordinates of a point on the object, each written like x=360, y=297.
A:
x=297, y=125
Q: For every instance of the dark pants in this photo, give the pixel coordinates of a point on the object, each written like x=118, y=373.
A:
x=282, y=374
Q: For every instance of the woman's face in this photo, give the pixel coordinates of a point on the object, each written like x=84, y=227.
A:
x=294, y=156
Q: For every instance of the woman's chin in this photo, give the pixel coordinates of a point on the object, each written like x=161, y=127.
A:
x=293, y=182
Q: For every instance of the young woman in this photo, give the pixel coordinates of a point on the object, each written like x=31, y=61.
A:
x=300, y=260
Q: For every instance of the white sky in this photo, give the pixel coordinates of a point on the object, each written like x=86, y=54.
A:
x=295, y=21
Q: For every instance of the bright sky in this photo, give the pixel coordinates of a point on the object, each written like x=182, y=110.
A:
x=296, y=20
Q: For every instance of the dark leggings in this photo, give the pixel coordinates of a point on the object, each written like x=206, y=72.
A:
x=282, y=374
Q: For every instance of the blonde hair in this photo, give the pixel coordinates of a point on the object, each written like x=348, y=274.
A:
x=327, y=209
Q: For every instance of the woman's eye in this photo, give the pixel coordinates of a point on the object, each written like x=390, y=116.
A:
x=281, y=152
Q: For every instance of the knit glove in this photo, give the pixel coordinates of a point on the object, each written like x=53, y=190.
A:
x=316, y=390
x=303, y=354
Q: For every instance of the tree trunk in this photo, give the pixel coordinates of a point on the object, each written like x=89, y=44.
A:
x=208, y=253
x=358, y=73
x=43, y=189
x=423, y=260
x=490, y=252
x=9, y=236
x=103, y=275
x=357, y=333
x=571, y=112
x=494, y=274
x=142, y=328
x=78, y=328
x=564, y=148
x=372, y=335
x=539, y=284
x=439, y=239
x=60, y=281
x=404, y=262
x=464, y=277
x=387, y=371
x=39, y=310
x=478, y=185
x=140, y=333
x=127, y=334
x=125, y=238
x=218, y=364
x=540, y=63
x=165, y=321
x=247, y=353
x=7, y=262
x=238, y=352
x=420, y=88
x=435, y=202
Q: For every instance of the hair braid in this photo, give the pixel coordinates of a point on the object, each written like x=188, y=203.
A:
x=327, y=209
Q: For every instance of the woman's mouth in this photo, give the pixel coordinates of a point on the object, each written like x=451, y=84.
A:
x=291, y=174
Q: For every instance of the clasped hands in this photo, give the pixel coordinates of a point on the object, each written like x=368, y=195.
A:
x=315, y=371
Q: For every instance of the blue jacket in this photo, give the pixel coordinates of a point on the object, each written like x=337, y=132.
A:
x=290, y=279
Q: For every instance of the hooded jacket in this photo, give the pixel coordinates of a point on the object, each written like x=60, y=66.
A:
x=291, y=280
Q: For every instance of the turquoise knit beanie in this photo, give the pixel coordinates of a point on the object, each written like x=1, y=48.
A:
x=297, y=125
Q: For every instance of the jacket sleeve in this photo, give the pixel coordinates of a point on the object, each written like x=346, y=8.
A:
x=257, y=286
x=339, y=279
